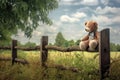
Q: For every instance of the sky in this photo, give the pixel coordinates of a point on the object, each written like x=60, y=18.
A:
x=70, y=16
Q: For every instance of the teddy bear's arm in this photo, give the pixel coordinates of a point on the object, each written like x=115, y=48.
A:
x=85, y=38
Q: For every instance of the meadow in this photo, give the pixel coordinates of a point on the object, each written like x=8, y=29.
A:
x=87, y=64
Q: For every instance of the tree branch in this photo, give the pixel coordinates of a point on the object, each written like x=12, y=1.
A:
x=68, y=49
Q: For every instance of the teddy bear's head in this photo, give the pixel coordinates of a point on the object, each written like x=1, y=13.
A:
x=91, y=26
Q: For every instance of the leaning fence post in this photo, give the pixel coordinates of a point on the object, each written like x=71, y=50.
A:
x=44, y=51
x=104, y=50
x=14, y=50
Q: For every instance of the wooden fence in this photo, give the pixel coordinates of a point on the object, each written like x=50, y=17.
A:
x=104, y=51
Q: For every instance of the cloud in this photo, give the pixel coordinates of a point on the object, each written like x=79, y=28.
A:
x=66, y=10
x=66, y=18
x=37, y=33
x=66, y=2
x=118, y=1
x=73, y=17
x=90, y=2
x=115, y=32
x=107, y=10
x=101, y=19
x=79, y=15
x=79, y=2
x=107, y=16
x=106, y=21
x=105, y=2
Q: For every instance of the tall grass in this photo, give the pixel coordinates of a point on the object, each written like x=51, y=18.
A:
x=84, y=61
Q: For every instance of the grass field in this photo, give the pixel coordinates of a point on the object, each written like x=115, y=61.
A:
x=87, y=64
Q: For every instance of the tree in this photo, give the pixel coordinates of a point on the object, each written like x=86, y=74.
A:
x=77, y=42
x=66, y=43
x=5, y=43
x=24, y=15
x=60, y=40
x=29, y=44
x=118, y=47
x=113, y=47
x=71, y=42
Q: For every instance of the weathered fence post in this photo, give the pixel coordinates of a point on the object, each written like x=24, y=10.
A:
x=104, y=50
x=44, y=51
x=14, y=50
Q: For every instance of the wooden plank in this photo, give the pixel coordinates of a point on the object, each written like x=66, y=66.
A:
x=49, y=47
x=104, y=50
x=14, y=50
x=44, y=51
x=5, y=47
x=28, y=48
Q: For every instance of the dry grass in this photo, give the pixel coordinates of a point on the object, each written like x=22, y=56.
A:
x=85, y=61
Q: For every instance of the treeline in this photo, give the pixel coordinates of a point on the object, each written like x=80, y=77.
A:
x=28, y=44
x=59, y=41
x=114, y=47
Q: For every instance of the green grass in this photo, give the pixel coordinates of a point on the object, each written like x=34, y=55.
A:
x=86, y=63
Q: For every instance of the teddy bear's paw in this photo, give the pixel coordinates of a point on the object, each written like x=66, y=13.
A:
x=91, y=49
x=82, y=46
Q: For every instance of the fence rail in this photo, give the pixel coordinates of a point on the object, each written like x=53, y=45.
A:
x=104, y=51
x=5, y=47
x=49, y=47
x=68, y=49
x=20, y=48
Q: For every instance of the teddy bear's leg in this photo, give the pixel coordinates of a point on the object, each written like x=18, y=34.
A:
x=83, y=45
x=93, y=44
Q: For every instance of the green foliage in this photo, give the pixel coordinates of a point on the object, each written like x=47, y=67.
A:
x=114, y=47
x=50, y=44
x=77, y=42
x=71, y=42
x=60, y=40
x=29, y=44
x=24, y=15
x=118, y=47
x=5, y=42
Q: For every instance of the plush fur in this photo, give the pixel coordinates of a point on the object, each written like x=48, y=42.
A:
x=91, y=40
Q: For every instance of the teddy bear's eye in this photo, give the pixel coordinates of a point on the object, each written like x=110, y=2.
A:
x=85, y=23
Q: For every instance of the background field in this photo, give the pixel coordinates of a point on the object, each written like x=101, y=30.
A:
x=86, y=63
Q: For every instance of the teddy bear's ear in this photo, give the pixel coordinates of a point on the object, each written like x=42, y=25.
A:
x=85, y=23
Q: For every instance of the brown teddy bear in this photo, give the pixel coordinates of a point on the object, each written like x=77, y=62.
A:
x=91, y=40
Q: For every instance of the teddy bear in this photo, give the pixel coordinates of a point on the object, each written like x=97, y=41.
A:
x=91, y=40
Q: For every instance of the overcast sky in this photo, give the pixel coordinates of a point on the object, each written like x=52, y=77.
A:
x=70, y=16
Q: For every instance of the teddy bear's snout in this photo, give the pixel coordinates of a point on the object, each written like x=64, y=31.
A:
x=87, y=29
